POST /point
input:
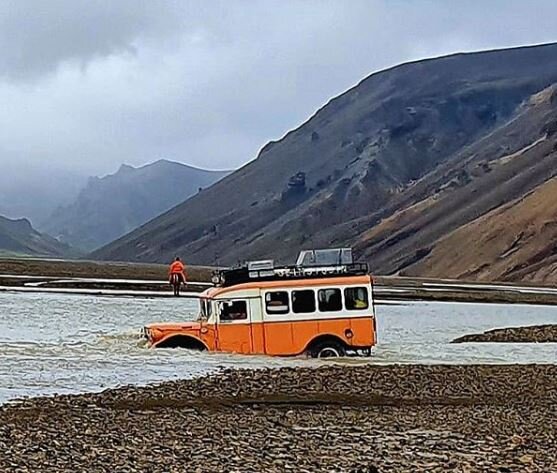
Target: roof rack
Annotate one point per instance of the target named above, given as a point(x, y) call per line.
point(231, 277)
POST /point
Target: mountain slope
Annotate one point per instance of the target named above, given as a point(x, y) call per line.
point(503, 167)
point(111, 206)
point(18, 236)
point(371, 162)
point(513, 242)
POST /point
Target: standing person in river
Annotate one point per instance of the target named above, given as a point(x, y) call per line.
point(177, 275)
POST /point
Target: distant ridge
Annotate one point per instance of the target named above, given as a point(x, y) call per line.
point(19, 237)
point(110, 206)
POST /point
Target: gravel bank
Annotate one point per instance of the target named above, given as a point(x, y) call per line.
point(532, 334)
point(387, 287)
point(335, 418)
point(94, 269)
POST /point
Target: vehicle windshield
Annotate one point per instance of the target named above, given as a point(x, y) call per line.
point(205, 309)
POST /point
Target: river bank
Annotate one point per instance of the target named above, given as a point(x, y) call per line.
point(47, 269)
point(412, 418)
point(83, 277)
point(531, 334)
point(150, 280)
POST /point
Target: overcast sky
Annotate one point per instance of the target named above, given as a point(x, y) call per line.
point(88, 84)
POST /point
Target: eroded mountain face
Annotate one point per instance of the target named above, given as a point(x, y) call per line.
point(392, 167)
point(481, 218)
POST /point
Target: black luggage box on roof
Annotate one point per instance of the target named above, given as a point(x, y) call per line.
point(231, 277)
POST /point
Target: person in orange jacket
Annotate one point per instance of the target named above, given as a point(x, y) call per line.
point(177, 267)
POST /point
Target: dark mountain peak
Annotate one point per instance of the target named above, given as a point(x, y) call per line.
point(125, 169)
point(167, 162)
point(162, 162)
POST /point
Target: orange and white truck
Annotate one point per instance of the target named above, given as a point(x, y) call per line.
point(322, 306)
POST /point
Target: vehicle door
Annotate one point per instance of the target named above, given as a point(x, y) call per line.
point(234, 326)
point(276, 327)
point(208, 320)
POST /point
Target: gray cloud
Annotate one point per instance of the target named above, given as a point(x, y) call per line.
point(86, 85)
point(36, 37)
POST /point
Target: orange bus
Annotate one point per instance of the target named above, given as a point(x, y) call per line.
point(321, 311)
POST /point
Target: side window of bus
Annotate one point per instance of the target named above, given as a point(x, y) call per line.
point(356, 298)
point(277, 303)
point(234, 310)
point(330, 300)
point(303, 302)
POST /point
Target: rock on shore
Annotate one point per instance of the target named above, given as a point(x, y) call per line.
point(331, 419)
point(532, 334)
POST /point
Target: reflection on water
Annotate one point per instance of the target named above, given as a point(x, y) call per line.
point(67, 343)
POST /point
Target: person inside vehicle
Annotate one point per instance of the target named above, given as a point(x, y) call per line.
point(360, 304)
point(177, 268)
point(234, 311)
point(360, 300)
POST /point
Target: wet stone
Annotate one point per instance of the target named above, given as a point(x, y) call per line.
point(329, 419)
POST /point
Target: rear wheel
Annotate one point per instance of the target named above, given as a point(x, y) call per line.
point(327, 349)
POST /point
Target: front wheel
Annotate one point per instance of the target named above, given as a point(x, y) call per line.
point(327, 349)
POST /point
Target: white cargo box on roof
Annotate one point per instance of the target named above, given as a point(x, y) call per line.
point(261, 265)
point(329, 257)
point(261, 269)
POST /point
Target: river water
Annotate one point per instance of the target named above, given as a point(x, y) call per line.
point(56, 343)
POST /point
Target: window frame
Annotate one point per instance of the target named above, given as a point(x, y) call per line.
point(341, 300)
point(245, 319)
point(288, 303)
point(354, 309)
point(314, 311)
point(316, 315)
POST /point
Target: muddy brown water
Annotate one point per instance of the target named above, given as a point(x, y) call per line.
point(57, 343)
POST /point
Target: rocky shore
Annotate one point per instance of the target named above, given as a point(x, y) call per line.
point(330, 419)
point(532, 334)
